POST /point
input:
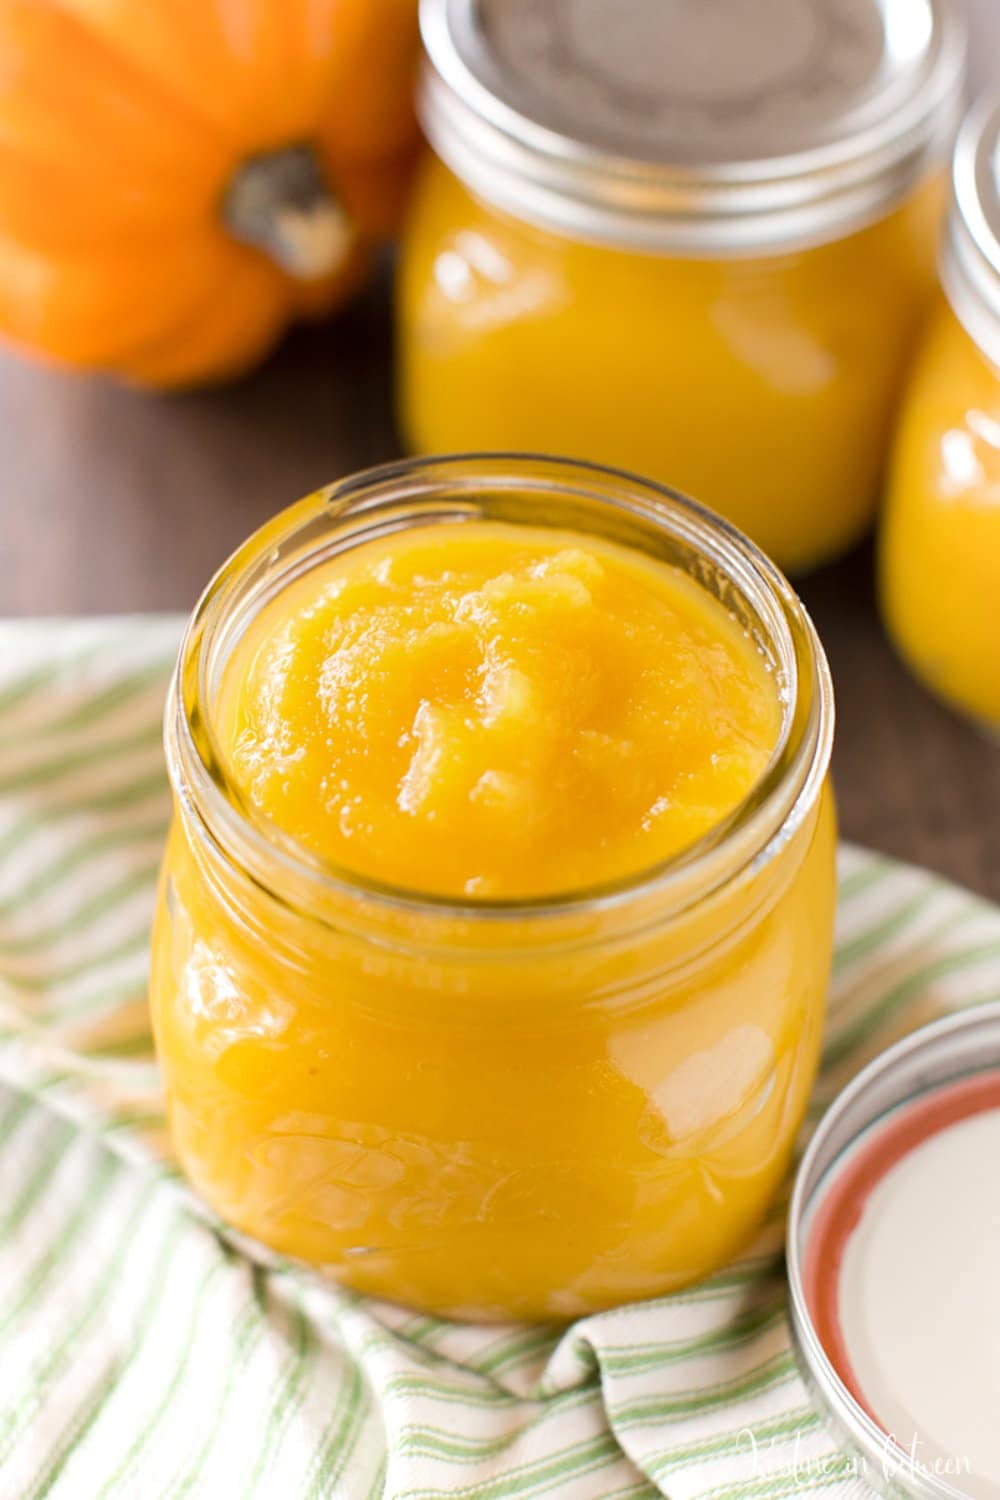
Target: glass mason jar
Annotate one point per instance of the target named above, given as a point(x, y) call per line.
point(940, 545)
point(496, 1109)
point(695, 240)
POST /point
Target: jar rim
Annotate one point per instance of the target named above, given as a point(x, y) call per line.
point(778, 203)
point(453, 487)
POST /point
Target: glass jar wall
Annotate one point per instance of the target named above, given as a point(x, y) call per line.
point(766, 385)
point(940, 544)
point(496, 1109)
point(712, 271)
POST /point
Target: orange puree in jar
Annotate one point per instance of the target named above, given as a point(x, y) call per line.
point(692, 238)
point(940, 543)
point(492, 949)
point(941, 535)
point(766, 387)
point(499, 711)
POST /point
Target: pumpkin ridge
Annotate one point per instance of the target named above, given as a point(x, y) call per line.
point(129, 349)
point(133, 239)
point(146, 81)
point(154, 354)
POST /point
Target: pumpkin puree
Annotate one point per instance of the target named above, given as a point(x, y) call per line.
point(496, 711)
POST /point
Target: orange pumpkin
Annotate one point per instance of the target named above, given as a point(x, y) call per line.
point(180, 178)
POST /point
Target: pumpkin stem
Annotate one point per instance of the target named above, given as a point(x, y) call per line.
point(280, 203)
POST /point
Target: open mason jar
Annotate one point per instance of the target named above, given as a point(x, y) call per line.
point(694, 238)
point(940, 542)
point(496, 1108)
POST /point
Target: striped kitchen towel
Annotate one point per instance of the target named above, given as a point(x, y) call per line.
point(144, 1355)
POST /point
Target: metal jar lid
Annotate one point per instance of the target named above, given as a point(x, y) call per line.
point(960, 1047)
point(970, 265)
point(692, 127)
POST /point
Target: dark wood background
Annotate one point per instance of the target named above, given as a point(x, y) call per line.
point(117, 501)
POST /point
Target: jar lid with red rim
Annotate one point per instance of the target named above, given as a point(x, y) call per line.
point(894, 1263)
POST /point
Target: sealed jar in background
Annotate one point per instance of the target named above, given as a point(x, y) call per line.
point(496, 1108)
point(940, 544)
point(695, 239)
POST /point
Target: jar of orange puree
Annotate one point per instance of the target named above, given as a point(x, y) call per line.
point(940, 553)
point(495, 922)
point(691, 237)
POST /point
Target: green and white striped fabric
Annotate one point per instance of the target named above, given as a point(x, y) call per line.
point(144, 1355)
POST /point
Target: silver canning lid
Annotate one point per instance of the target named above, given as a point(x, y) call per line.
point(711, 127)
point(970, 265)
point(958, 1047)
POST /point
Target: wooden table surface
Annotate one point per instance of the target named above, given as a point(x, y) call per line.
point(116, 501)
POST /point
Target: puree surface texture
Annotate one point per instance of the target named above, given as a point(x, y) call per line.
point(484, 710)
